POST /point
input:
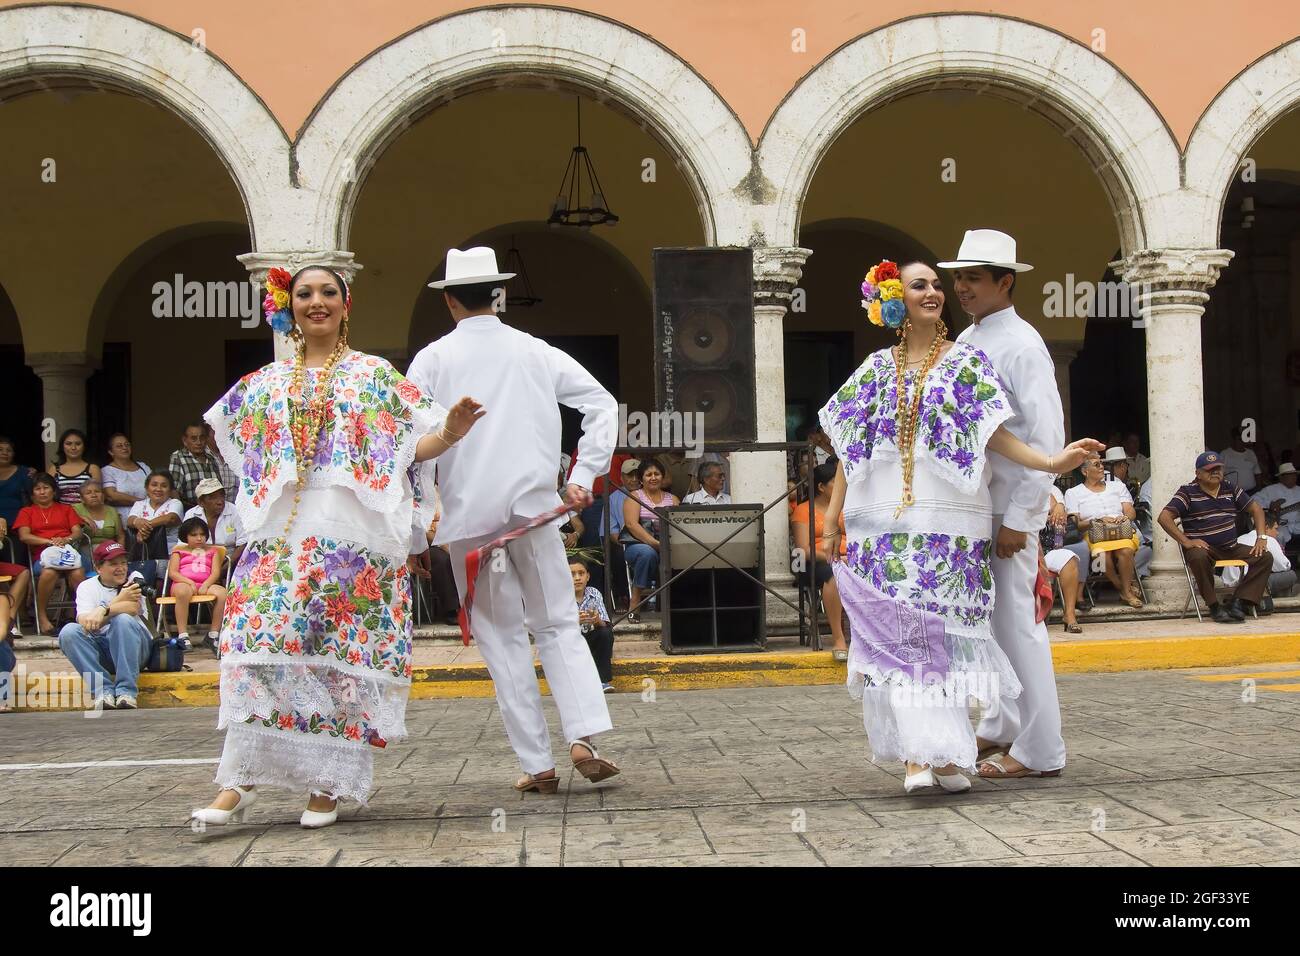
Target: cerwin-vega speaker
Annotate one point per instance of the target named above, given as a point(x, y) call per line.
point(704, 338)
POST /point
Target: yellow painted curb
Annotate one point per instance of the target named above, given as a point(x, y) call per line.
point(714, 671)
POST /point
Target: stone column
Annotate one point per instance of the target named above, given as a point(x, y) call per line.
point(1172, 289)
point(63, 380)
point(1063, 353)
point(259, 264)
point(759, 477)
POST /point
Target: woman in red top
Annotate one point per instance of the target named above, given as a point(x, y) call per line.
point(823, 481)
point(43, 523)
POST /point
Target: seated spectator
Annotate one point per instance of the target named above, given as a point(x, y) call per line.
point(7, 664)
point(617, 559)
point(1282, 579)
point(123, 476)
point(100, 521)
point(194, 569)
point(1139, 465)
point(824, 578)
point(224, 472)
point(1119, 465)
point(1061, 562)
point(1279, 496)
point(1240, 464)
point(13, 599)
point(109, 642)
point(15, 482)
point(43, 524)
point(219, 514)
point(712, 478)
point(1099, 505)
point(193, 462)
point(154, 522)
point(641, 532)
point(593, 619)
point(1209, 508)
point(70, 468)
point(678, 476)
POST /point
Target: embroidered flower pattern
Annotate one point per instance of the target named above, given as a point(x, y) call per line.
point(963, 404)
point(949, 575)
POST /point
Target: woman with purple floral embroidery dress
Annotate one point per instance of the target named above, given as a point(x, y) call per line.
point(316, 639)
point(913, 492)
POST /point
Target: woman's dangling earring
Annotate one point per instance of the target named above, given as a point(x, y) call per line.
point(343, 331)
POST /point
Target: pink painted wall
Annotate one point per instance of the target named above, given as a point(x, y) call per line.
point(1180, 53)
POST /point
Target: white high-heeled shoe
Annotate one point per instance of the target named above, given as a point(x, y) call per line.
point(218, 818)
point(922, 780)
point(315, 819)
point(953, 782)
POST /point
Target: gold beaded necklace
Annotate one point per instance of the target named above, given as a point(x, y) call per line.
point(909, 411)
point(307, 416)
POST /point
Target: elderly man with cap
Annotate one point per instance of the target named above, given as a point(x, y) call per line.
point(1020, 737)
point(496, 482)
point(1208, 509)
point(221, 517)
point(109, 642)
point(1279, 496)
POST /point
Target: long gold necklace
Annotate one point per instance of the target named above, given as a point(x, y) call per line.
point(909, 411)
point(306, 423)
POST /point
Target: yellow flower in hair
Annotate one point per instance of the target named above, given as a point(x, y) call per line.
point(873, 313)
point(871, 275)
point(281, 298)
point(891, 289)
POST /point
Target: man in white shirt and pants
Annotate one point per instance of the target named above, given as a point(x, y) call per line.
point(499, 478)
point(1027, 728)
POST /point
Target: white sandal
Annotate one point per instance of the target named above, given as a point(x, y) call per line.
point(595, 768)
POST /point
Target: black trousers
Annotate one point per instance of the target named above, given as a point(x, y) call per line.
point(443, 581)
point(601, 642)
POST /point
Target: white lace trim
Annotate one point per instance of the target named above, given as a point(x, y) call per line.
point(977, 669)
point(311, 525)
point(358, 671)
point(369, 701)
point(934, 735)
point(257, 757)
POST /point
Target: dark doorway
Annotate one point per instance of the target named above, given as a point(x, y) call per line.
point(816, 365)
point(598, 354)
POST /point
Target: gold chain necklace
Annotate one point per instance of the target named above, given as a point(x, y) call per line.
point(306, 423)
point(909, 412)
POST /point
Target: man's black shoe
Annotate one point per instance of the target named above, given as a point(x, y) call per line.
point(1238, 609)
point(1220, 614)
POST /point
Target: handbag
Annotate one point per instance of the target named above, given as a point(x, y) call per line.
point(63, 558)
point(165, 654)
point(1098, 531)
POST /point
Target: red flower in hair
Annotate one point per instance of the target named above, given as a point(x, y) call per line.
point(278, 277)
point(886, 270)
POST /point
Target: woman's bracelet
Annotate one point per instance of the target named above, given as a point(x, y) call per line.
point(444, 432)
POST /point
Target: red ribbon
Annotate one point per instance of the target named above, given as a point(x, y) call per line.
point(474, 562)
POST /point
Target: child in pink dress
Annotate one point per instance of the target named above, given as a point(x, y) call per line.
point(195, 568)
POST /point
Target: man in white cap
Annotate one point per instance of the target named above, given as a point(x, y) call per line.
point(1021, 737)
point(1283, 493)
point(499, 478)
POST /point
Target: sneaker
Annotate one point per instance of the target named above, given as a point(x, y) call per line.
point(105, 702)
point(126, 702)
point(607, 688)
point(183, 642)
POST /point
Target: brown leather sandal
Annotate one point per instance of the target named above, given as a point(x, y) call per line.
point(530, 784)
point(1000, 772)
point(595, 768)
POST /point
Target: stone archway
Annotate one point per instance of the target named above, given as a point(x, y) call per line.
point(1096, 107)
point(43, 45)
point(374, 102)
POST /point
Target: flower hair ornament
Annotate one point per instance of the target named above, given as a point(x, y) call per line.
point(882, 295)
point(275, 304)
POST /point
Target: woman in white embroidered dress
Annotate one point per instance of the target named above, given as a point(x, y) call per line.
point(316, 638)
point(913, 492)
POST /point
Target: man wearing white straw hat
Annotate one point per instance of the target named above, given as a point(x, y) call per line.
point(1020, 737)
point(1283, 493)
point(494, 485)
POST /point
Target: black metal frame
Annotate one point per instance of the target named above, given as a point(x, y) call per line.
point(807, 448)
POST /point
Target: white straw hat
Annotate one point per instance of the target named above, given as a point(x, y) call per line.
point(470, 266)
point(987, 247)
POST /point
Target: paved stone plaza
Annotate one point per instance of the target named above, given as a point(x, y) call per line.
point(1166, 768)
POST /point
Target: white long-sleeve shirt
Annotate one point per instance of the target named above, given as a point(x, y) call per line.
point(504, 469)
point(1231, 575)
point(1021, 359)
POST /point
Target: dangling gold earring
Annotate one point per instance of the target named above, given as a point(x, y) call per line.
point(343, 331)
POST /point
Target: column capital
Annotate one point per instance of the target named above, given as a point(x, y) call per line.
point(259, 263)
point(777, 270)
point(1193, 270)
point(72, 364)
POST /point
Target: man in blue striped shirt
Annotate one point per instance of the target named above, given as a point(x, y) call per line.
point(1208, 509)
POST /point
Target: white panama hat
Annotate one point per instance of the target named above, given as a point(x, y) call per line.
point(470, 266)
point(1114, 454)
point(1286, 468)
point(987, 247)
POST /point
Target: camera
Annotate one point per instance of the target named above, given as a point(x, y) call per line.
point(136, 578)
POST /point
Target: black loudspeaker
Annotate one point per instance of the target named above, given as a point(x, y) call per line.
point(704, 339)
